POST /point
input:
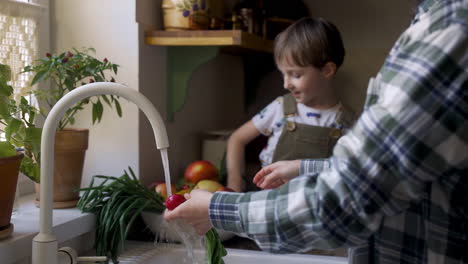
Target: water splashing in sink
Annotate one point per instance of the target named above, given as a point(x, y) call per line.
point(186, 233)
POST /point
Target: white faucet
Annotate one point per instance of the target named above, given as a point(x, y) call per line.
point(45, 246)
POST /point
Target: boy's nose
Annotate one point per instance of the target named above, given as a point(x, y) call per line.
point(287, 84)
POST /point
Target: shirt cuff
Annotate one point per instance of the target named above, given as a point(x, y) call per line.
point(224, 211)
point(311, 166)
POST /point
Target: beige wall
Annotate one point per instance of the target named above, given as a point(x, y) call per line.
point(110, 27)
point(369, 28)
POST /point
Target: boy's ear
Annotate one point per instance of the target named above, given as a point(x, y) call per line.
point(329, 70)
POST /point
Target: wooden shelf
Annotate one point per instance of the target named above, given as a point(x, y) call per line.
point(224, 38)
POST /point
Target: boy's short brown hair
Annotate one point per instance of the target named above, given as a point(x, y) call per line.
point(310, 42)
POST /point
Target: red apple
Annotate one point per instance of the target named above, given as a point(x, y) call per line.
point(209, 185)
point(225, 189)
point(200, 170)
point(173, 201)
point(162, 190)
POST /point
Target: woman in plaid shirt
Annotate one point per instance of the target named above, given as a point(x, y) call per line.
point(399, 177)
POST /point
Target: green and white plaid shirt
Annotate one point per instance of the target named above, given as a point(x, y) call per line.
point(399, 177)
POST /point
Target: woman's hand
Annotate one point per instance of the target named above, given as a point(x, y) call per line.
point(195, 211)
point(277, 174)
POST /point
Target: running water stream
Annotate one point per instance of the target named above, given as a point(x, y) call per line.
point(188, 235)
point(167, 172)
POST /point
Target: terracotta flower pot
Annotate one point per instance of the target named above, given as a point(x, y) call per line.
point(9, 168)
point(70, 150)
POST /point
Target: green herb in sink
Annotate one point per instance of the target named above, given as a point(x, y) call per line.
point(214, 248)
point(117, 202)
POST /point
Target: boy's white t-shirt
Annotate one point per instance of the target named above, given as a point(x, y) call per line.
point(271, 119)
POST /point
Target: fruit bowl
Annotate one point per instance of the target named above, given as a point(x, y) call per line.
point(165, 232)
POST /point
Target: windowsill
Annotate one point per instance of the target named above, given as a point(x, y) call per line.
point(68, 224)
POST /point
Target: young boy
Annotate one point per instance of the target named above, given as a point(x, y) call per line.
point(307, 122)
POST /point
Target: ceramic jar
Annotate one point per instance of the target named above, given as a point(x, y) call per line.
point(185, 14)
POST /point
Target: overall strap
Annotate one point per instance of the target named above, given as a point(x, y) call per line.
point(289, 105)
point(345, 117)
point(289, 109)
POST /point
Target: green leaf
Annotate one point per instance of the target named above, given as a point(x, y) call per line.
point(100, 110)
point(39, 77)
point(32, 116)
point(106, 99)
point(5, 72)
point(12, 128)
point(215, 250)
point(7, 149)
point(4, 107)
point(118, 108)
point(30, 169)
point(94, 113)
point(5, 77)
point(32, 141)
point(115, 68)
point(28, 68)
point(23, 101)
point(5, 89)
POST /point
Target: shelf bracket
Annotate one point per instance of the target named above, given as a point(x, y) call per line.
point(182, 61)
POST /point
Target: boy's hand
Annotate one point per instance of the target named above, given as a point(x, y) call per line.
point(194, 211)
point(277, 174)
point(235, 182)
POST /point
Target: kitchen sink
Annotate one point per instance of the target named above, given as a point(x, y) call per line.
point(150, 253)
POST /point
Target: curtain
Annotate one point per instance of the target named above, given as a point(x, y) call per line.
point(19, 40)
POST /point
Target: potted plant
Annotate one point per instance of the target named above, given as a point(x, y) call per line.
point(65, 72)
point(10, 159)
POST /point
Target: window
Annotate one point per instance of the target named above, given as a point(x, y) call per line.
point(19, 45)
point(23, 27)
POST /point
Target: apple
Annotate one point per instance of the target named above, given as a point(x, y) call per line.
point(185, 189)
point(225, 189)
point(182, 192)
point(162, 190)
point(200, 170)
point(153, 184)
point(174, 200)
point(209, 185)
